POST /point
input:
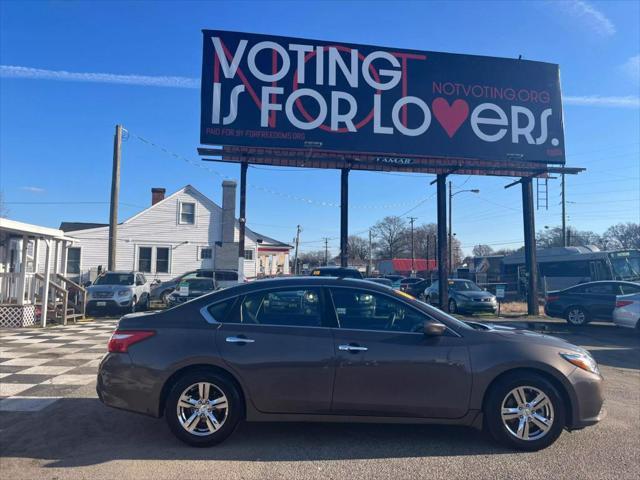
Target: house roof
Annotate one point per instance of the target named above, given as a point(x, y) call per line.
point(21, 228)
point(74, 226)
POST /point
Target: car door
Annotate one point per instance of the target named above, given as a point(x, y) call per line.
point(601, 298)
point(277, 342)
point(385, 364)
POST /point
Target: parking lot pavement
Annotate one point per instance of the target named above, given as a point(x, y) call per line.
point(75, 436)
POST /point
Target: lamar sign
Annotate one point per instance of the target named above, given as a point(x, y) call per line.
point(282, 92)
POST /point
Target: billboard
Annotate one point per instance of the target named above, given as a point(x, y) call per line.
point(281, 92)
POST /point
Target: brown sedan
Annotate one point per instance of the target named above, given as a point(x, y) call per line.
point(328, 349)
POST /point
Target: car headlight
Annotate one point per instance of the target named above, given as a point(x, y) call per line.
point(582, 360)
point(123, 293)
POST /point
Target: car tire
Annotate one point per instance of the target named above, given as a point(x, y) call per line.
point(133, 307)
point(453, 306)
point(525, 431)
point(576, 316)
point(202, 431)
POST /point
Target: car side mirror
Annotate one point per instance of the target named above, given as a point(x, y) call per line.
point(434, 329)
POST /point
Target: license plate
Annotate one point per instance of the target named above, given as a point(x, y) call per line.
point(101, 304)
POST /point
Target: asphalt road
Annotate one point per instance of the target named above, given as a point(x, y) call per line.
point(77, 437)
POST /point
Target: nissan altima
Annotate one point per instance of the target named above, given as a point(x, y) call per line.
point(331, 349)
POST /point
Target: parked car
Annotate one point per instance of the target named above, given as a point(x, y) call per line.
point(223, 279)
point(191, 288)
point(381, 281)
point(345, 350)
point(414, 286)
point(118, 291)
point(395, 280)
point(580, 304)
point(464, 297)
point(341, 272)
point(627, 311)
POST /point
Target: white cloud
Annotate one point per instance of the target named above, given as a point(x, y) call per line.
point(33, 189)
point(602, 101)
point(13, 71)
point(589, 15)
point(631, 68)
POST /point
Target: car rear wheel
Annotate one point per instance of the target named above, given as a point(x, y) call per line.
point(203, 408)
point(525, 412)
point(576, 316)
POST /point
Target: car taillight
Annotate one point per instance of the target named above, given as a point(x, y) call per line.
point(623, 303)
point(553, 298)
point(121, 340)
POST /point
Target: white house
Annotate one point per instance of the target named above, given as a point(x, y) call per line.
point(176, 234)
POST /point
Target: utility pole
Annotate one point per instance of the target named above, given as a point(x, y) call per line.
point(370, 253)
point(326, 251)
point(295, 257)
point(450, 226)
point(564, 216)
point(115, 193)
point(413, 256)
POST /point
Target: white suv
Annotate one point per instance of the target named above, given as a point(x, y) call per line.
point(117, 292)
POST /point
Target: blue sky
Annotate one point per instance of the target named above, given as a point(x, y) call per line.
point(56, 129)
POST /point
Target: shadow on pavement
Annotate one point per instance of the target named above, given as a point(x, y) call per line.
point(81, 431)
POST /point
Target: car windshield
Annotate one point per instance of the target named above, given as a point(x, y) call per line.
point(464, 287)
point(115, 279)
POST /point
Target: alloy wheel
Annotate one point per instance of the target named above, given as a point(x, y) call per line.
point(577, 316)
point(202, 409)
point(527, 413)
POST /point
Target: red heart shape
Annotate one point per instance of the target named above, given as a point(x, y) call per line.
point(451, 117)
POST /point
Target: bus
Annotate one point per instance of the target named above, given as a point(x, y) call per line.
point(560, 267)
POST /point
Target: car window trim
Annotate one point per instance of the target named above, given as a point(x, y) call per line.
point(337, 319)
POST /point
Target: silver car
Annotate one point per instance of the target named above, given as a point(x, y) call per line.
point(627, 311)
point(117, 292)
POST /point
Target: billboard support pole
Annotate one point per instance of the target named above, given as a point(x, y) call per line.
point(531, 264)
point(443, 284)
point(242, 220)
point(344, 216)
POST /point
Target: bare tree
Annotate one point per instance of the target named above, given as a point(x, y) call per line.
point(482, 250)
point(622, 235)
point(358, 248)
point(391, 237)
point(313, 258)
point(552, 237)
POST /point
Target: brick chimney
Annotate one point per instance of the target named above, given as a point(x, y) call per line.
point(228, 211)
point(157, 195)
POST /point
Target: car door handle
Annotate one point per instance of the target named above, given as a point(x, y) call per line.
point(352, 348)
point(239, 340)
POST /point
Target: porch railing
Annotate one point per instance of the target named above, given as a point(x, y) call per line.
point(10, 287)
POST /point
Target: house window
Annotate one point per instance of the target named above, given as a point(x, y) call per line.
point(187, 213)
point(248, 254)
point(73, 260)
point(205, 253)
point(162, 260)
point(144, 259)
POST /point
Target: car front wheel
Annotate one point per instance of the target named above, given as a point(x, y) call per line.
point(203, 408)
point(453, 306)
point(577, 316)
point(525, 412)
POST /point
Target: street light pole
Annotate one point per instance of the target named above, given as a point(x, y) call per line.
point(413, 256)
point(451, 195)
